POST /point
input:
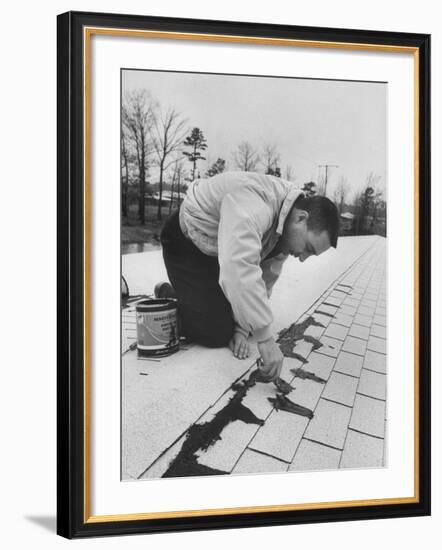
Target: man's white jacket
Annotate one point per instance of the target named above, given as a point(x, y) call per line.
point(239, 217)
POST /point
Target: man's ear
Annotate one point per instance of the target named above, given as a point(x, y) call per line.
point(301, 216)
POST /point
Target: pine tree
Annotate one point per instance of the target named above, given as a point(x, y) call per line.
point(275, 171)
point(309, 188)
point(217, 167)
point(197, 143)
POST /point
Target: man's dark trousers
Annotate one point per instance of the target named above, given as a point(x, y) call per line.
point(204, 312)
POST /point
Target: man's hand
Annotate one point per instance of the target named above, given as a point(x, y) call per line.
point(239, 345)
point(272, 359)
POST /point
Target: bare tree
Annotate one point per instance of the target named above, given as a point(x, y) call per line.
point(271, 160)
point(177, 174)
point(246, 157)
point(138, 114)
point(377, 199)
point(180, 181)
point(124, 174)
point(341, 192)
point(372, 180)
point(289, 173)
point(320, 186)
point(366, 205)
point(168, 131)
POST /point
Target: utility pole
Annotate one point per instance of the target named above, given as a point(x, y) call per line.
point(327, 166)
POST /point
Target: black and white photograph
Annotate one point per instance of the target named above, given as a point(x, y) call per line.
point(253, 274)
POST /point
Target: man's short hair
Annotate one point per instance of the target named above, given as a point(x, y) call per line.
point(322, 215)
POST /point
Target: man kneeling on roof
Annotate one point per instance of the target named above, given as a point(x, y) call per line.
point(224, 250)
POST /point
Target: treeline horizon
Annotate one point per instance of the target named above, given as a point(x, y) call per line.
point(161, 140)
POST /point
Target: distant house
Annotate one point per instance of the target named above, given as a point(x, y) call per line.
point(346, 223)
point(167, 197)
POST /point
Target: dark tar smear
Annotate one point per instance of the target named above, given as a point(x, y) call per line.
point(283, 403)
point(288, 338)
point(200, 437)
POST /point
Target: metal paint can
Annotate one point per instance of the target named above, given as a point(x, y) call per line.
point(157, 327)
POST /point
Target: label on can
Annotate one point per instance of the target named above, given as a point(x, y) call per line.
point(157, 329)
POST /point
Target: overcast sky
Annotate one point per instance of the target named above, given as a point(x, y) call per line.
point(311, 122)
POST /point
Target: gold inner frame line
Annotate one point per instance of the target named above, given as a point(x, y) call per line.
point(87, 33)
point(206, 37)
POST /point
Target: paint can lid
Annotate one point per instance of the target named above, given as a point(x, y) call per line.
point(156, 304)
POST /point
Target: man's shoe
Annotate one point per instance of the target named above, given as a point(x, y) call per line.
point(164, 290)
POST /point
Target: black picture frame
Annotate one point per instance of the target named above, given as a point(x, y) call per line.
point(74, 519)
